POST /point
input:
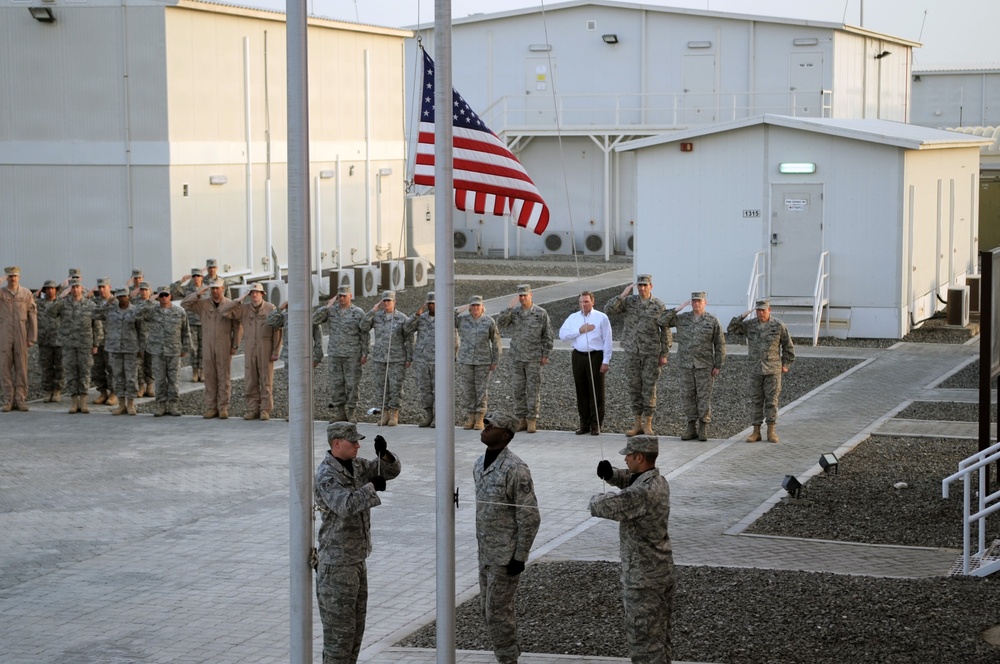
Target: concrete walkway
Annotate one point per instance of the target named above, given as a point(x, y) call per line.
point(141, 539)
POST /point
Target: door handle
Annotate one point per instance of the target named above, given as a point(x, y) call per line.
point(774, 240)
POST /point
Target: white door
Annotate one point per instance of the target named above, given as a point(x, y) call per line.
point(699, 103)
point(540, 108)
point(805, 84)
point(796, 238)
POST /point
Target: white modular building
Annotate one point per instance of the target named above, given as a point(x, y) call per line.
point(956, 96)
point(859, 225)
point(152, 133)
point(565, 85)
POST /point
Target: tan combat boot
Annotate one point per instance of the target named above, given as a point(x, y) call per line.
point(383, 419)
point(636, 428)
point(393, 417)
point(522, 424)
point(691, 433)
point(250, 415)
point(754, 437)
point(102, 398)
point(56, 396)
point(223, 413)
point(150, 389)
point(194, 375)
point(75, 408)
point(479, 425)
point(531, 426)
point(112, 400)
point(121, 409)
point(772, 437)
point(210, 413)
point(470, 421)
point(702, 430)
point(130, 406)
point(83, 405)
point(428, 418)
point(160, 410)
point(647, 425)
point(264, 415)
point(141, 392)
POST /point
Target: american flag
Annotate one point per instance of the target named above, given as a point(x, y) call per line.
point(488, 177)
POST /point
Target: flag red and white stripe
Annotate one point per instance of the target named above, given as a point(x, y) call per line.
point(488, 177)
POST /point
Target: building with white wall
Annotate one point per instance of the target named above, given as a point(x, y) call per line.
point(956, 96)
point(152, 133)
point(876, 217)
point(565, 85)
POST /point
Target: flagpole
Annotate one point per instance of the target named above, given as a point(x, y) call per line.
point(444, 334)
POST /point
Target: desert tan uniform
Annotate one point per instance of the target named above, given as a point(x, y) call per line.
point(261, 343)
point(220, 336)
point(18, 328)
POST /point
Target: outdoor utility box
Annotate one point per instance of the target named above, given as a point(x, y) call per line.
point(958, 306)
point(973, 282)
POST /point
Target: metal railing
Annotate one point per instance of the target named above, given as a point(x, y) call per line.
point(821, 295)
point(650, 110)
point(977, 463)
point(757, 275)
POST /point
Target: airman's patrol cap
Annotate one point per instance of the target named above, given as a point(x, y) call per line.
point(698, 295)
point(475, 299)
point(500, 420)
point(524, 289)
point(642, 444)
point(388, 296)
point(646, 279)
point(762, 304)
point(344, 431)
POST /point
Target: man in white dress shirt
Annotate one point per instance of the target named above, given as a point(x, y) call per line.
point(590, 332)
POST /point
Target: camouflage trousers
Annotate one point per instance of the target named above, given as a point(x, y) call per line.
point(526, 386)
point(50, 362)
point(100, 371)
point(144, 368)
point(764, 392)
point(165, 370)
point(425, 383)
point(77, 363)
point(473, 385)
point(388, 378)
point(496, 602)
point(342, 596)
point(196, 353)
point(696, 394)
point(123, 367)
point(641, 373)
point(649, 609)
point(344, 374)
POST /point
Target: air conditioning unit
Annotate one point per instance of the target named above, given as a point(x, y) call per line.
point(416, 272)
point(466, 241)
point(338, 278)
point(393, 273)
point(593, 244)
point(275, 291)
point(366, 279)
point(629, 239)
point(557, 242)
point(237, 291)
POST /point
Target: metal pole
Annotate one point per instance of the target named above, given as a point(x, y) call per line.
point(444, 334)
point(300, 436)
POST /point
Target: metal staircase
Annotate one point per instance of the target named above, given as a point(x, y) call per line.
point(803, 315)
point(985, 560)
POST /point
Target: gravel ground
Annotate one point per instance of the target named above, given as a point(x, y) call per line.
point(967, 378)
point(945, 411)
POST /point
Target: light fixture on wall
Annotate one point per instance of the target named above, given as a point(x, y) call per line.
point(796, 168)
point(699, 44)
point(805, 41)
point(540, 48)
point(879, 56)
point(610, 38)
point(42, 14)
point(217, 179)
point(385, 171)
point(326, 175)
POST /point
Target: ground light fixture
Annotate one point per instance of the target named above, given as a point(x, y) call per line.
point(792, 486)
point(42, 14)
point(828, 461)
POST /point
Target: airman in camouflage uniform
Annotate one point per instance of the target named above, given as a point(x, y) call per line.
point(18, 332)
point(80, 334)
point(49, 348)
point(646, 344)
point(144, 367)
point(345, 491)
point(180, 289)
point(642, 510)
point(700, 354)
point(530, 344)
point(168, 338)
point(507, 521)
point(770, 353)
point(278, 319)
point(478, 356)
point(346, 350)
point(100, 374)
point(422, 324)
point(121, 340)
point(392, 354)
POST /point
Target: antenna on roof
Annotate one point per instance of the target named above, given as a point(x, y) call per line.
point(922, 24)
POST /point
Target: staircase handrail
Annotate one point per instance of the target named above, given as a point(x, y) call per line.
point(821, 295)
point(757, 274)
point(977, 463)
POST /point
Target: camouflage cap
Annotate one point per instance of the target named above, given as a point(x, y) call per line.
point(144, 285)
point(136, 272)
point(103, 281)
point(50, 284)
point(216, 283)
point(12, 271)
point(430, 297)
point(256, 288)
point(74, 272)
point(644, 279)
point(163, 290)
point(698, 295)
point(76, 281)
point(344, 290)
point(762, 304)
point(524, 289)
point(211, 262)
point(499, 420)
point(121, 292)
point(642, 445)
point(196, 272)
point(475, 299)
point(388, 296)
point(343, 431)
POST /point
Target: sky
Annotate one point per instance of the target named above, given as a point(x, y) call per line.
point(954, 32)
